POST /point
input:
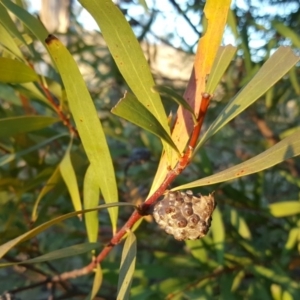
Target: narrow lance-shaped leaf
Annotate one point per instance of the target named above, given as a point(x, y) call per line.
point(216, 12)
point(91, 200)
point(240, 224)
point(129, 57)
point(69, 176)
point(127, 267)
point(237, 280)
point(223, 58)
point(287, 148)
point(274, 276)
point(30, 90)
point(232, 24)
point(218, 233)
point(96, 283)
point(57, 254)
point(32, 23)
point(21, 124)
point(127, 53)
point(14, 71)
point(274, 69)
point(293, 238)
point(287, 32)
point(132, 110)
point(87, 123)
point(50, 184)
point(9, 42)
point(198, 250)
point(35, 231)
point(285, 209)
point(295, 80)
point(171, 93)
point(9, 25)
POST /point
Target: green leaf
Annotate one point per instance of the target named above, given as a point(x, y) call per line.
point(171, 94)
point(30, 90)
point(87, 122)
point(9, 25)
point(132, 110)
point(69, 176)
point(14, 71)
point(9, 43)
point(57, 254)
point(9, 95)
point(293, 238)
point(218, 234)
point(286, 32)
point(127, 54)
point(285, 149)
point(32, 23)
point(239, 224)
point(50, 184)
point(9, 157)
point(127, 267)
point(97, 281)
point(15, 125)
point(242, 37)
point(199, 250)
point(90, 200)
point(295, 80)
point(278, 293)
point(240, 260)
point(250, 248)
point(285, 209)
point(274, 69)
point(223, 58)
point(35, 231)
point(237, 281)
point(129, 58)
point(274, 276)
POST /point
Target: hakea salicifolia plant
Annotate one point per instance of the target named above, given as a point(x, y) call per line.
point(183, 215)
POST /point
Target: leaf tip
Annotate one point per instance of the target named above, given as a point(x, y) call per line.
point(50, 38)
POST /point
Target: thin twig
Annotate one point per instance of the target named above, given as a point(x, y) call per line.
point(62, 116)
point(171, 175)
point(65, 119)
point(143, 210)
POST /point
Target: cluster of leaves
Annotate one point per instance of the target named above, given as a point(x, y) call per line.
point(48, 158)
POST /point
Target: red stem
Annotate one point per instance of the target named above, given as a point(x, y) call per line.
point(172, 174)
point(62, 116)
point(202, 112)
point(138, 214)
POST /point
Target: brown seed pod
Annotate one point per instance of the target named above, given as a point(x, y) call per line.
point(184, 215)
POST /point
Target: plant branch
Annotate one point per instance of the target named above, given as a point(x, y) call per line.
point(62, 116)
point(197, 128)
point(171, 175)
point(145, 207)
